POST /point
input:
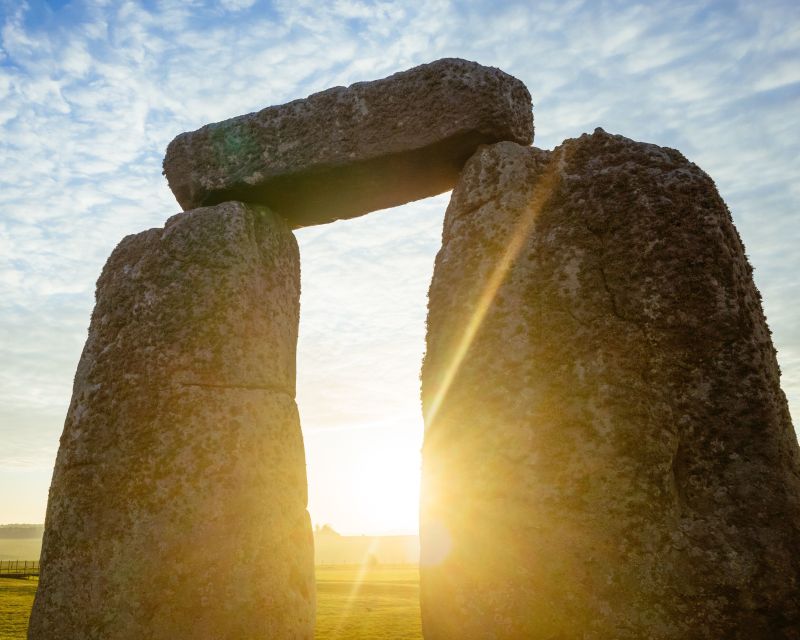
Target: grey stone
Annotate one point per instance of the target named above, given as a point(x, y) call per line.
point(345, 152)
point(608, 452)
point(178, 502)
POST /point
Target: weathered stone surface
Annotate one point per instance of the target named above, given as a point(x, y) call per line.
point(610, 455)
point(346, 151)
point(178, 502)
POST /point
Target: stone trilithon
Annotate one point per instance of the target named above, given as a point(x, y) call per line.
point(608, 453)
point(178, 503)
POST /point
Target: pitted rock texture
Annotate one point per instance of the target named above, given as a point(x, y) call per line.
point(178, 503)
point(347, 151)
point(608, 452)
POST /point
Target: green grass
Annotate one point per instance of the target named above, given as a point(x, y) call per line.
point(382, 605)
point(16, 600)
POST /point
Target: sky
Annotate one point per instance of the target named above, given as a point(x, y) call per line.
point(91, 93)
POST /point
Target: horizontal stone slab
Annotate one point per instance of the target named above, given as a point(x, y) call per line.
point(347, 151)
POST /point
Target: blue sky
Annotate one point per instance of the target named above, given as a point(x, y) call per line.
point(92, 92)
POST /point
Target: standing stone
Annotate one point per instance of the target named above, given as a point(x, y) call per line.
point(178, 503)
point(350, 150)
point(608, 452)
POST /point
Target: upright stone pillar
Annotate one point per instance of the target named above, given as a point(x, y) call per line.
point(608, 453)
point(178, 503)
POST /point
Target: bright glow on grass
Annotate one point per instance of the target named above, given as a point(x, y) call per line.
point(351, 598)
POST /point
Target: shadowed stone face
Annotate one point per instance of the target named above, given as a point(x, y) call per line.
point(178, 502)
point(608, 453)
point(347, 151)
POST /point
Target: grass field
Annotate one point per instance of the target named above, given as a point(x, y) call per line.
point(384, 605)
point(376, 603)
point(16, 599)
point(24, 549)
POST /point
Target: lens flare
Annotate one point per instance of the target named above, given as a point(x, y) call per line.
point(351, 598)
point(437, 544)
point(518, 237)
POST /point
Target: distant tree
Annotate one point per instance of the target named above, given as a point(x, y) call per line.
point(327, 530)
point(21, 531)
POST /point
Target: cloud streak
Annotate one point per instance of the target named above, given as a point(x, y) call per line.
point(92, 92)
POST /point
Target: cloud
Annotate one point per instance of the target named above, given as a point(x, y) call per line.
point(236, 5)
point(364, 294)
point(92, 92)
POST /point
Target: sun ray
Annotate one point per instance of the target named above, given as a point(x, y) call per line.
point(517, 240)
point(362, 572)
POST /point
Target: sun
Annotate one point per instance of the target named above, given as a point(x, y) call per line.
point(366, 480)
point(387, 490)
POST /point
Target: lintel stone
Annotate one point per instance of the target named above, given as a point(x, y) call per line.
point(346, 151)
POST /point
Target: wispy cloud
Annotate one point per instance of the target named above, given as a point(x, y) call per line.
point(92, 92)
